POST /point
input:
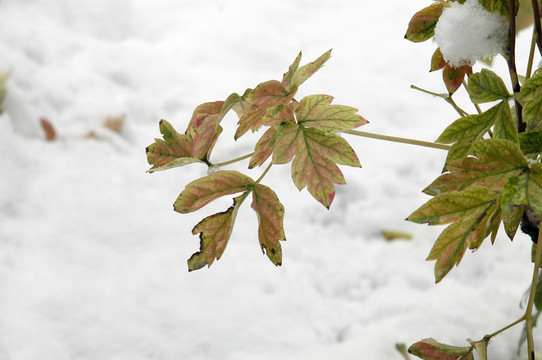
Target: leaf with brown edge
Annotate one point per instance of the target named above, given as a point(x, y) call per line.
point(173, 147)
point(270, 219)
point(422, 25)
point(472, 213)
point(317, 111)
point(202, 191)
point(437, 61)
point(493, 163)
point(266, 95)
point(430, 349)
point(306, 71)
point(215, 232)
point(453, 77)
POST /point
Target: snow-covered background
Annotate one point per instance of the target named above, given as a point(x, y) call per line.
point(92, 255)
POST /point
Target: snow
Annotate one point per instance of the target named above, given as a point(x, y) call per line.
point(93, 257)
point(468, 32)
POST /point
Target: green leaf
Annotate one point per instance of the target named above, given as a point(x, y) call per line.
point(505, 125)
point(472, 127)
point(511, 220)
point(524, 190)
point(531, 142)
point(430, 349)
point(215, 232)
point(202, 191)
point(306, 71)
point(472, 213)
point(486, 86)
point(494, 162)
point(177, 162)
point(237, 103)
point(316, 111)
point(422, 25)
point(317, 154)
point(459, 150)
point(266, 95)
point(500, 6)
point(530, 97)
point(270, 218)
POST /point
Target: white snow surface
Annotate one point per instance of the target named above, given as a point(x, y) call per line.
point(92, 255)
point(468, 32)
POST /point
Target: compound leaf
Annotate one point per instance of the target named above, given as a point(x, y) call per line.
point(266, 95)
point(494, 162)
point(486, 86)
point(202, 191)
point(270, 218)
point(316, 111)
point(422, 25)
point(215, 232)
point(430, 349)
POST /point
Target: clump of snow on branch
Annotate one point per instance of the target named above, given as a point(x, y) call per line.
point(468, 32)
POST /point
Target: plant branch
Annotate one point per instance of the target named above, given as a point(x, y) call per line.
point(537, 25)
point(264, 173)
point(398, 139)
point(511, 60)
point(529, 70)
point(529, 309)
point(446, 97)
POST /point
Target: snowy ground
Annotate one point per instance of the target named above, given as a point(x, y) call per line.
point(92, 256)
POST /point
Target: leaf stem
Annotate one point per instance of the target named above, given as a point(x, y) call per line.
point(397, 139)
point(529, 70)
point(241, 158)
point(446, 97)
point(478, 109)
point(529, 309)
point(264, 173)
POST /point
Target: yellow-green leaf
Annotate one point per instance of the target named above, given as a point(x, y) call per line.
point(202, 191)
point(270, 219)
point(173, 147)
point(530, 97)
point(215, 232)
point(486, 86)
point(422, 25)
point(493, 163)
point(306, 71)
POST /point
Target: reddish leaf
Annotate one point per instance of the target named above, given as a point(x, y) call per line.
point(174, 146)
point(430, 349)
point(215, 232)
point(453, 77)
point(316, 111)
point(266, 95)
point(263, 149)
point(201, 113)
point(306, 71)
point(422, 25)
point(48, 129)
point(437, 60)
point(317, 154)
point(202, 191)
point(270, 218)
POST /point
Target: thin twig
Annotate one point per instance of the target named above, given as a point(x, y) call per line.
point(511, 60)
point(537, 25)
point(534, 282)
